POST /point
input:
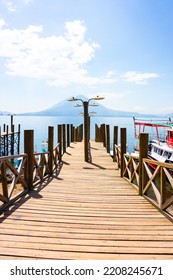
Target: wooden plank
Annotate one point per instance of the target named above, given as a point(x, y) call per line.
point(87, 212)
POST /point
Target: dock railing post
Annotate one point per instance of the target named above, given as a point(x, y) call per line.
point(123, 148)
point(97, 133)
point(50, 148)
point(86, 131)
point(18, 143)
point(115, 140)
point(29, 150)
point(60, 141)
point(143, 153)
point(64, 137)
point(68, 135)
point(71, 133)
point(103, 135)
point(108, 138)
point(80, 133)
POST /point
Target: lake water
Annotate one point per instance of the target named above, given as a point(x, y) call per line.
point(40, 127)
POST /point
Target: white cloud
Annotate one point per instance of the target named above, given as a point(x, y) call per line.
point(138, 78)
point(60, 60)
point(11, 7)
point(27, 1)
point(110, 74)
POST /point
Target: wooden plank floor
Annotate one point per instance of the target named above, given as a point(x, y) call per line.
point(87, 212)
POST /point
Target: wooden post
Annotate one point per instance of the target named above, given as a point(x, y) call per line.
point(18, 144)
point(4, 181)
point(0, 143)
point(68, 135)
point(89, 124)
point(162, 188)
point(64, 137)
point(115, 140)
point(50, 147)
point(60, 140)
point(96, 133)
point(72, 134)
point(143, 153)
point(29, 150)
point(108, 138)
point(75, 134)
point(12, 123)
point(12, 140)
point(102, 134)
point(81, 132)
point(123, 148)
point(86, 144)
point(6, 143)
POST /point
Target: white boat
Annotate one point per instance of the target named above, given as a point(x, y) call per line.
point(160, 149)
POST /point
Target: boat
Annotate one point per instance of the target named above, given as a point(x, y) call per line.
point(160, 146)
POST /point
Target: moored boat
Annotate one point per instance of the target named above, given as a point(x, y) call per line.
point(161, 145)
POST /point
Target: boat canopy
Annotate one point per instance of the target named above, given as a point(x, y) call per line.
point(155, 123)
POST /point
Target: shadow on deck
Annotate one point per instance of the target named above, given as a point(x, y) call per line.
point(87, 211)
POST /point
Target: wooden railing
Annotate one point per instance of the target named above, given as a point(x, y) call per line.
point(40, 166)
point(131, 170)
point(56, 156)
point(117, 155)
point(150, 178)
point(21, 173)
point(12, 179)
point(157, 184)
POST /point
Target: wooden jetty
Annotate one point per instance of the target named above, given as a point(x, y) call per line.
point(9, 140)
point(85, 211)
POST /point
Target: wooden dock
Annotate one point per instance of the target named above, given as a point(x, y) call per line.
point(87, 211)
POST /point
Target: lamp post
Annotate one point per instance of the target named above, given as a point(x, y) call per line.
point(86, 123)
point(90, 114)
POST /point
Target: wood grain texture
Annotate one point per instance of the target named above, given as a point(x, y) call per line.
point(86, 212)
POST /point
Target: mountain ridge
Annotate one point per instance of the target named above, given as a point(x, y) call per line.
point(65, 108)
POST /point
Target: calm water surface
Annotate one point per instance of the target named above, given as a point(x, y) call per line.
point(40, 127)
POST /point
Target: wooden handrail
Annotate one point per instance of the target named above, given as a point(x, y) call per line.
point(12, 156)
point(13, 183)
point(163, 164)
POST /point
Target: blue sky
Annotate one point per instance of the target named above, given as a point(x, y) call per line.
point(120, 49)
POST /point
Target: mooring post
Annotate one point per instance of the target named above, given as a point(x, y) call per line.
point(143, 153)
point(29, 150)
point(50, 148)
point(123, 148)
